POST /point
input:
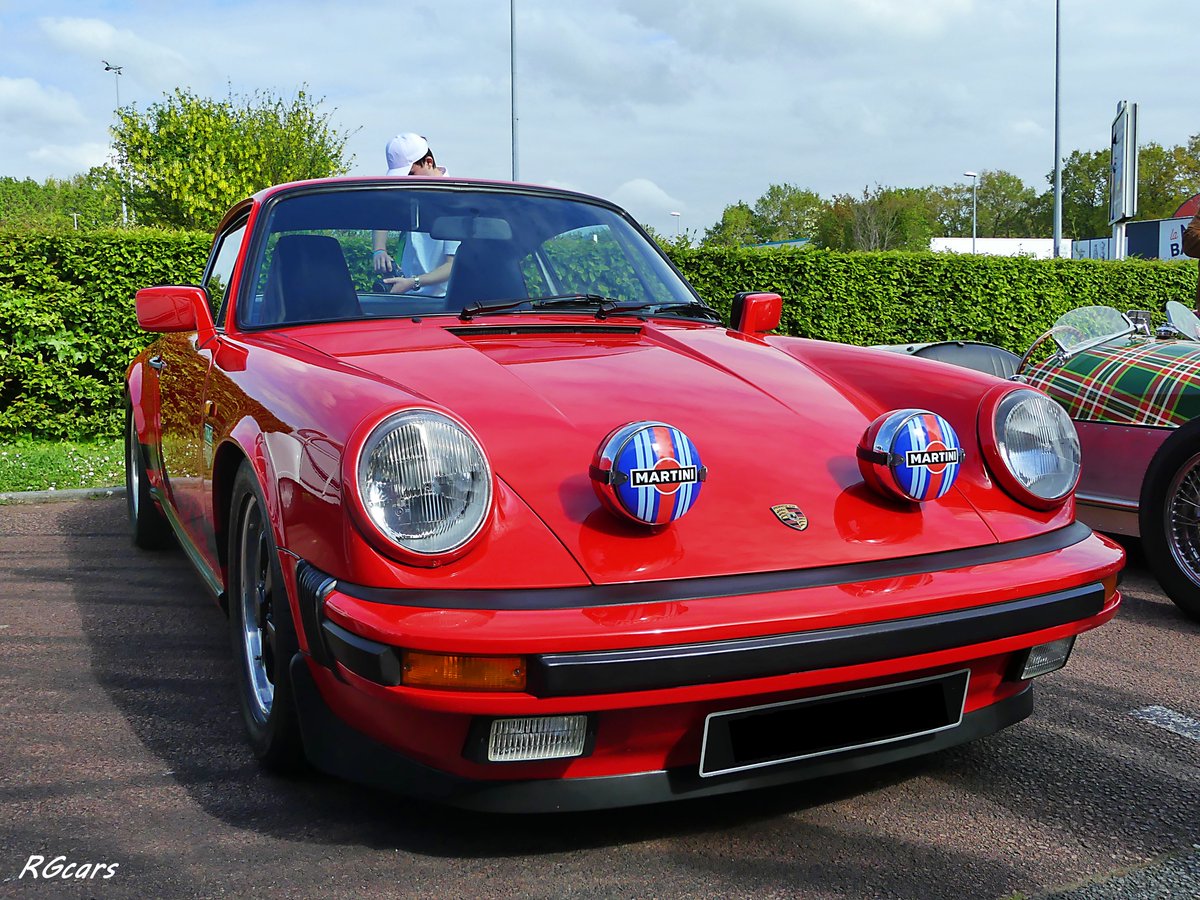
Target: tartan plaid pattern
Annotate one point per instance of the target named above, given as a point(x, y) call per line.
point(1142, 383)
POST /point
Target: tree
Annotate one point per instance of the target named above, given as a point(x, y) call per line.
point(1187, 160)
point(1085, 194)
point(783, 213)
point(882, 219)
point(188, 158)
point(737, 227)
point(85, 202)
point(786, 212)
point(951, 208)
point(1163, 181)
point(1004, 205)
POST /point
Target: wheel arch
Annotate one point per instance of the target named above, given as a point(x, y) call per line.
point(1178, 575)
point(143, 401)
point(245, 443)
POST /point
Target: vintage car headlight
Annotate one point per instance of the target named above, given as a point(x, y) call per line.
point(1031, 446)
point(424, 482)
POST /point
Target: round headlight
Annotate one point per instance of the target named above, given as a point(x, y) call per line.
point(424, 482)
point(1037, 447)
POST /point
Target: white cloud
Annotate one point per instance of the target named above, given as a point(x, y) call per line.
point(29, 107)
point(95, 38)
point(72, 157)
point(646, 201)
point(682, 105)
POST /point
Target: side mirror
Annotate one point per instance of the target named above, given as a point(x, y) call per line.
point(175, 308)
point(755, 313)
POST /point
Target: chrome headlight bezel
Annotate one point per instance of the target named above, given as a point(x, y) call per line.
point(444, 448)
point(1030, 445)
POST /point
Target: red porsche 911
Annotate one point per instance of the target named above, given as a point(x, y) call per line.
point(503, 515)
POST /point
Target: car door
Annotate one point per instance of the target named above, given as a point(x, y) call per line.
point(184, 367)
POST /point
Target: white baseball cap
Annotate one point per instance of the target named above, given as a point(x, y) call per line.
point(403, 150)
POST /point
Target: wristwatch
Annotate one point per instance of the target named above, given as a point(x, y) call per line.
point(416, 282)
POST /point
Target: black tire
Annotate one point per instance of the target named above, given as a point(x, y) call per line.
point(1169, 517)
point(147, 525)
point(261, 630)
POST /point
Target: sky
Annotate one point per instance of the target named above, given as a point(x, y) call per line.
point(665, 106)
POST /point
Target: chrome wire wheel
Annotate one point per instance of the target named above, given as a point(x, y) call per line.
point(1181, 513)
point(256, 593)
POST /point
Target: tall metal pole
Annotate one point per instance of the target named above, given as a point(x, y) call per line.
point(512, 61)
point(974, 176)
point(1057, 136)
point(116, 70)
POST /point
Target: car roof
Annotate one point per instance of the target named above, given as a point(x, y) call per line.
point(408, 181)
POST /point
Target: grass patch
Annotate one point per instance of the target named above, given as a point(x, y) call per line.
point(32, 465)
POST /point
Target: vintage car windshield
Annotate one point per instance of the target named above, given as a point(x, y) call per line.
point(1090, 326)
point(512, 253)
point(1185, 322)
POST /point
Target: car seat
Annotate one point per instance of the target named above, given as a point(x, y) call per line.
point(308, 281)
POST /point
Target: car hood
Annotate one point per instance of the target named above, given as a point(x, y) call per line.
point(1123, 382)
point(770, 430)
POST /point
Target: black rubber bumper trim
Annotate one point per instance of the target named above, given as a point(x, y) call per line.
point(369, 659)
point(556, 675)
point(314, 586)
point(678, 665)
point(651, 668)
point(723, 585)
point(334, 747)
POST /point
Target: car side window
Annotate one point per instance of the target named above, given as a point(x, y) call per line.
point(220, 269)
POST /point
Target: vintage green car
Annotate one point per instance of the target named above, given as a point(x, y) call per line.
point(1133, 393)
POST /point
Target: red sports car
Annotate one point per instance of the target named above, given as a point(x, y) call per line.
point(503, 515)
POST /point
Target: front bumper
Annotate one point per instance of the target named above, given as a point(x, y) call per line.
point(336, 748)
point(648, 675)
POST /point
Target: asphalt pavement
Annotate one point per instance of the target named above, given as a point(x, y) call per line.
point(122, 758)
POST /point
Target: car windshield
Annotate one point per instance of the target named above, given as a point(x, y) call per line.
point(1183, 320)
point(336, 254)
point(1090, 326)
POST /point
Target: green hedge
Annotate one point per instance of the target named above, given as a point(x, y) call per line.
point(67, 323)
point(68, 330)
point(892, 298)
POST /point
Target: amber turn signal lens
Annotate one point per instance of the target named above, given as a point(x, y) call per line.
point(463, 673)
point(1110, 585)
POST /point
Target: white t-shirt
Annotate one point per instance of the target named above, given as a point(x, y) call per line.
point(424, 254)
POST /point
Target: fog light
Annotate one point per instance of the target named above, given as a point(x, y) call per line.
point(1044, 658)
point(537, 737)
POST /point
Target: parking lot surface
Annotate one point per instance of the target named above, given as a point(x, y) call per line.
point(123, 752)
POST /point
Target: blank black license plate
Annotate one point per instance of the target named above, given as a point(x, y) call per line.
point(777, 733)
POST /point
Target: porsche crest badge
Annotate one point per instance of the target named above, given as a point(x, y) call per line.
point(790, 515)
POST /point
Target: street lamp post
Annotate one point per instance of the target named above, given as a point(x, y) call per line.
point(512, 76)
point(1057, 151)
point(675, 215)
point(116, 70)
point(974, 176)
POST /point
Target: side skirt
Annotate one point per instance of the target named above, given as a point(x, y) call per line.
point(212, 580)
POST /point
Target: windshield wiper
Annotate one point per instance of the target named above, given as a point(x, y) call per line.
point(616, 308)
point(605, 306)
point(476, 309)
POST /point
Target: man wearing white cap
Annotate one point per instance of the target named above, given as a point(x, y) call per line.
point(425, 263)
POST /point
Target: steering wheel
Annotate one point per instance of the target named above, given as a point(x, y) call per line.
point(1077, 336)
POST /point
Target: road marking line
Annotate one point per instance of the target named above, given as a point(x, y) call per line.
point(1170, 720)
